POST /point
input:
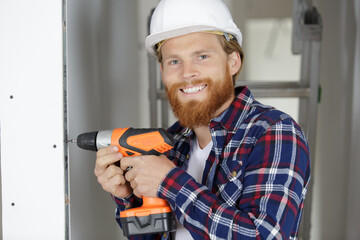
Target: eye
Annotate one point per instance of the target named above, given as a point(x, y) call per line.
point(173, 62)
point(201, 57)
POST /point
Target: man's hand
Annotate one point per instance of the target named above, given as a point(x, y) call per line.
point(110, 176)
point(146, 173)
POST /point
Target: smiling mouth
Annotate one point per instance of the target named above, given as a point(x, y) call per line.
point(191, 90)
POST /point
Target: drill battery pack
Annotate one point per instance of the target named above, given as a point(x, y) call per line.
point(155, 223)
point(154, 216)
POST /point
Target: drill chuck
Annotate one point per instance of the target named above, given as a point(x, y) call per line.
point(94, 140)
point(87, 141)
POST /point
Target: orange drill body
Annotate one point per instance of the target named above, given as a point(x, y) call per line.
point(136, 142)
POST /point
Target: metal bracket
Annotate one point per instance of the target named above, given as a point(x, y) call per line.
point(307, 24)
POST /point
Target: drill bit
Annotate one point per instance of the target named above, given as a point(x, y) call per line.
point(72, 140)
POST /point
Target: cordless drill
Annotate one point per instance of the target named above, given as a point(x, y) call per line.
point(155, 214)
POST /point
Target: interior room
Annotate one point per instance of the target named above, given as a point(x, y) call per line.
point(69, 67)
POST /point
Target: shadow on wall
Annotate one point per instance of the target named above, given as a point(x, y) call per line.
point(102, 94)
point(334, 126)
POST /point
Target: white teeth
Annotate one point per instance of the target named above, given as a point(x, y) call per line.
point(193, 89)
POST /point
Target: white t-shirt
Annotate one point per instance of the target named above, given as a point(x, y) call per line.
point(196, 167)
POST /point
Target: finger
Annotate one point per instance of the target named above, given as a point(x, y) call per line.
point(133, 184)
point(127, 162)
point(137, 193)
point(114, 183)
point(130, 175)
point(105, 168)
point(113, 170)
point(110, 172)
point(110, 175)
point(105, 151)
point(108, 183)
point(103, 162)
point(117, 180)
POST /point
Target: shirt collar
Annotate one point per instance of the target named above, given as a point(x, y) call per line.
point(238, 110)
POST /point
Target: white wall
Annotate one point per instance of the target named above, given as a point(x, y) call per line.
point(31, 120)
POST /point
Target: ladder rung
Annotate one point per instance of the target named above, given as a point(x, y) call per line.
point(280, 92)
point(277, 89)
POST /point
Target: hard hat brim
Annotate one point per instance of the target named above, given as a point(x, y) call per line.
point(154, 39)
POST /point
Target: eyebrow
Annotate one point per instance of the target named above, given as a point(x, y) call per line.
point(202, 52)
point(198, 52)
point(170, 57)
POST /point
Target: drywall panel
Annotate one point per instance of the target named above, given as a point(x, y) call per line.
point(31, 120)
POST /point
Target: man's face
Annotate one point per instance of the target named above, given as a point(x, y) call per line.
point(197, 74)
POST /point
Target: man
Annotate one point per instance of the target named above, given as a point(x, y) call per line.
point(239, 169)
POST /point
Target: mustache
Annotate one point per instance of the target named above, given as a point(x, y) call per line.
point(176, 86)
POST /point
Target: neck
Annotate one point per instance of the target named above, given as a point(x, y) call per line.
point(225, 105)
point(203, 135)
point(203, 132)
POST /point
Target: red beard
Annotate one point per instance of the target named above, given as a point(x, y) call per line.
point(199, 113)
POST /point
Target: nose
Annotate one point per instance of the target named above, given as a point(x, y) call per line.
point(189, 70)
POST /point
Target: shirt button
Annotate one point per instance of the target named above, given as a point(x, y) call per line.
point(240, 163)
point(233, 173)
point(187, 156)
point(127, 206)
point(165, 235)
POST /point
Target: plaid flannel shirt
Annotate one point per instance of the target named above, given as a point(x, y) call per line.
point(254, 182)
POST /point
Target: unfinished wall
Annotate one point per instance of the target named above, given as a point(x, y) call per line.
point(334, 133)
point(108, 88)
point(103, 93)
point(331, 169)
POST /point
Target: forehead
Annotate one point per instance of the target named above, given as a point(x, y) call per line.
point(192, 42)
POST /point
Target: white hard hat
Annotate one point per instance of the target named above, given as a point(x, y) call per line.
point(174, 18)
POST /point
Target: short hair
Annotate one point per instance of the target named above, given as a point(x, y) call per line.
point(229, 46)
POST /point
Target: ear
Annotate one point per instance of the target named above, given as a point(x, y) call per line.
point(234, 62)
